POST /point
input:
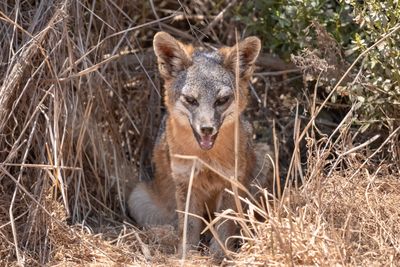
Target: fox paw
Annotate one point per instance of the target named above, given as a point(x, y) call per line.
point(216, 251)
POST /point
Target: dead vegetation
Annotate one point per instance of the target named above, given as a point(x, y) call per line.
point(80, 104)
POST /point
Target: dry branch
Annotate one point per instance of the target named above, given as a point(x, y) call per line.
point(22, 61)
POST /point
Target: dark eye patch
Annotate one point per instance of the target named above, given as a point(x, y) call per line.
point(191, 100)
point(222, 101)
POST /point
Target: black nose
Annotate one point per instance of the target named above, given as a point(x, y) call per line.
point(206, 130)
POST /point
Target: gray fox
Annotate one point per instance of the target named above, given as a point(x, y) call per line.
point(199, 97)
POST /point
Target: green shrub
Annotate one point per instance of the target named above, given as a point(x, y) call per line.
point(284, 27)
point(379, 86)
point(283, 24)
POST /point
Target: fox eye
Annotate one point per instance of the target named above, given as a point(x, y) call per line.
point(191, 100)
point(222, 101)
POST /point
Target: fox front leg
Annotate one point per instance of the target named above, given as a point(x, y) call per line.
point(225, 229)
point(194, 225)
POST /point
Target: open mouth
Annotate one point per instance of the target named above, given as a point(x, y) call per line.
point(206, 142)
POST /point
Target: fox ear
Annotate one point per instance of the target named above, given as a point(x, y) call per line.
point(172, 55)
point(248, 51)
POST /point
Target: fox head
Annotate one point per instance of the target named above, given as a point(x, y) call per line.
point(200, 85)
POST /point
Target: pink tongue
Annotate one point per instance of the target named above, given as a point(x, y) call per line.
point(206, 142)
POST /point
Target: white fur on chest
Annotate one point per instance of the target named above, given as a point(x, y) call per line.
point(183, 169)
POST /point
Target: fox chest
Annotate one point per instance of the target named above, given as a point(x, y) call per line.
point(204, 177)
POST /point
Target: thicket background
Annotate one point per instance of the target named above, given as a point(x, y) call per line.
point(81, 101)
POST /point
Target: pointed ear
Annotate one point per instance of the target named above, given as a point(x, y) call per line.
point(172, 55)
point(248, 51)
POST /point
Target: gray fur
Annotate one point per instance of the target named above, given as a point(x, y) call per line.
point(205, 75)
point(206, 80)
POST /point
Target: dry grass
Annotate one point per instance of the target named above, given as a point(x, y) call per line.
point(80, 104)
point(345, 223)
